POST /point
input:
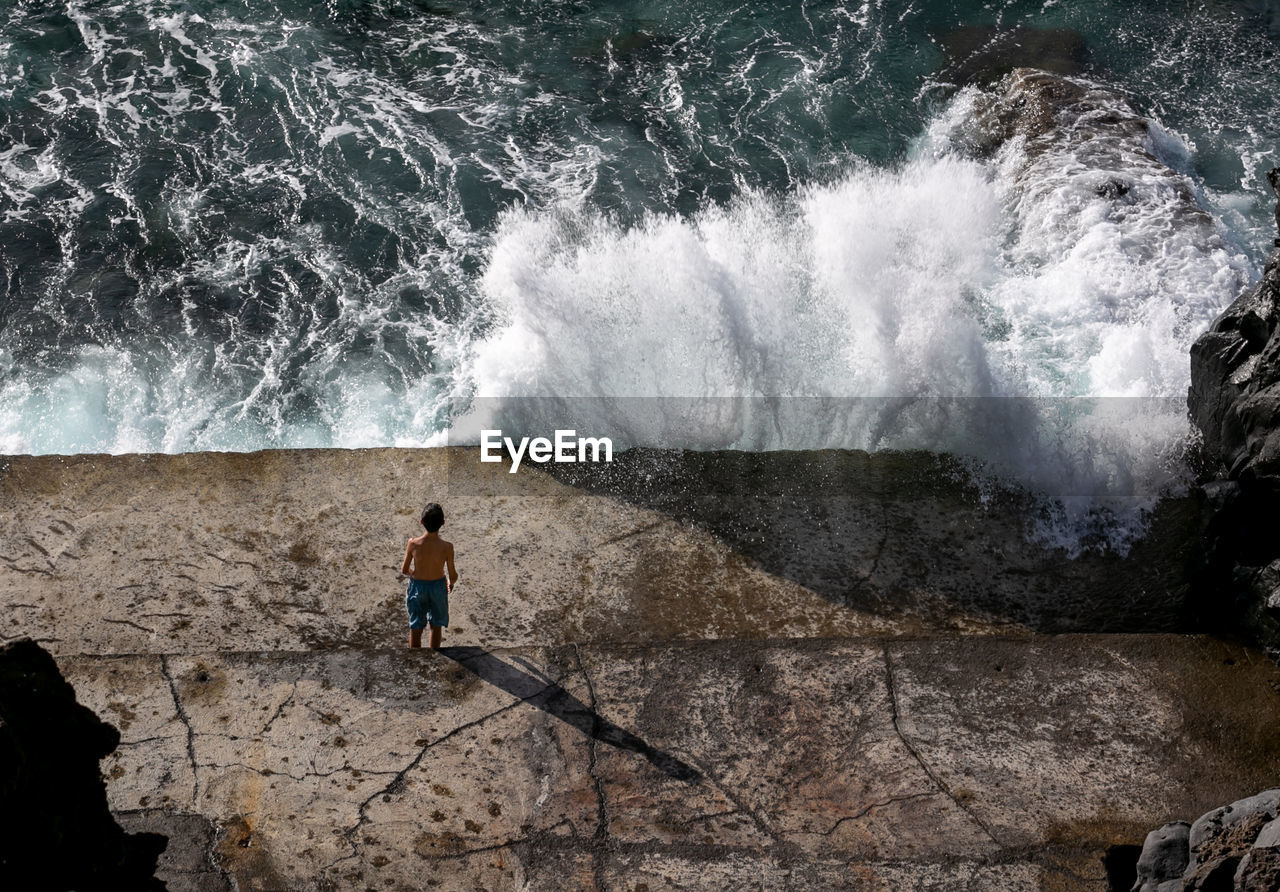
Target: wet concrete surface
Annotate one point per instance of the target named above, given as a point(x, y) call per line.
point(301, 550)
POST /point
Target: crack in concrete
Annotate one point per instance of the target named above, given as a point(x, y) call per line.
point(397, 782)
point(129, 622)
point(742, 807)
point(547, 841)
point(698, 819)
point(873, 806)
point(314, 772)
point(880, 547)
point(36, 545)
point(711, 853)
point(22, 635)
point(284, 703)
point(600, 839)
point(186, 720)
point(884, 542)
point(142, 740)
point(893, 704)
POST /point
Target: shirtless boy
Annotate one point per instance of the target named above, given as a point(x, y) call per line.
point(425, 559)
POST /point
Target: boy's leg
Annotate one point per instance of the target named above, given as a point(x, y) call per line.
point(415, 638)
point(435, 637)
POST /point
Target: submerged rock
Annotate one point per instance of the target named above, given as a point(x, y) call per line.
point(1062, 136)
point(980, 54)
point(60, 833)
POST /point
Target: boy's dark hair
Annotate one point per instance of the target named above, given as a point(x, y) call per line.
point(433, 517)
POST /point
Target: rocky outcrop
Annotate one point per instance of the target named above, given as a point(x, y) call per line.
point(1235, 386)
point(59, 832)
point(1234, 848)
point(1071, 131)
point(1234, 401)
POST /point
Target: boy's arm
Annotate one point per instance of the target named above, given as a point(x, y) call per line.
point(453, 571)
point(408, 559)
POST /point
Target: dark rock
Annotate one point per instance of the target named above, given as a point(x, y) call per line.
point(1234, 848)
point(1165, 854)
point(1112, 188)
point(1032, 103)
point(982, 54)
point(64, 836)
point(1268, 836)
point(1208, 837)
point(1234, 401)
point(1217, 875)
point(1065, 121)
point(1266, 586)
point(1259, 871)
point(1273, 177)
point(1234, 398)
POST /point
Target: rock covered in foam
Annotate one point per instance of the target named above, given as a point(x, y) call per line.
point(1037, 104)
point(60, 833)
point(1069, 124)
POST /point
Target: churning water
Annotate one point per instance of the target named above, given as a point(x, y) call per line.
point(242, 225)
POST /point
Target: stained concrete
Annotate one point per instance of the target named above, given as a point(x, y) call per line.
point(789, 671)
point(961, 763)
point(301, 550)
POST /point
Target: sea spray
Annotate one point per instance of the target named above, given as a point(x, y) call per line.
point(1031, 312)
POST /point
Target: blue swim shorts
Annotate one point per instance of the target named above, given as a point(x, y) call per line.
point(427, 602)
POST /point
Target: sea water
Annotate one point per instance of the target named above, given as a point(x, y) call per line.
point(246, 225)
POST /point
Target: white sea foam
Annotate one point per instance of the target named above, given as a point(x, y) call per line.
point(981, 308)
point(1000, 308)
point(1004, 310)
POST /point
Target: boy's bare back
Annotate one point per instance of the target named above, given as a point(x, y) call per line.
point(426, 556)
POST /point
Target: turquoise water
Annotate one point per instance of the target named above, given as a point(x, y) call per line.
point(251, 225)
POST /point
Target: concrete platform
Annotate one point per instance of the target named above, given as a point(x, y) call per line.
point(730, 670)
point(959, 763)
point(296, 551)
